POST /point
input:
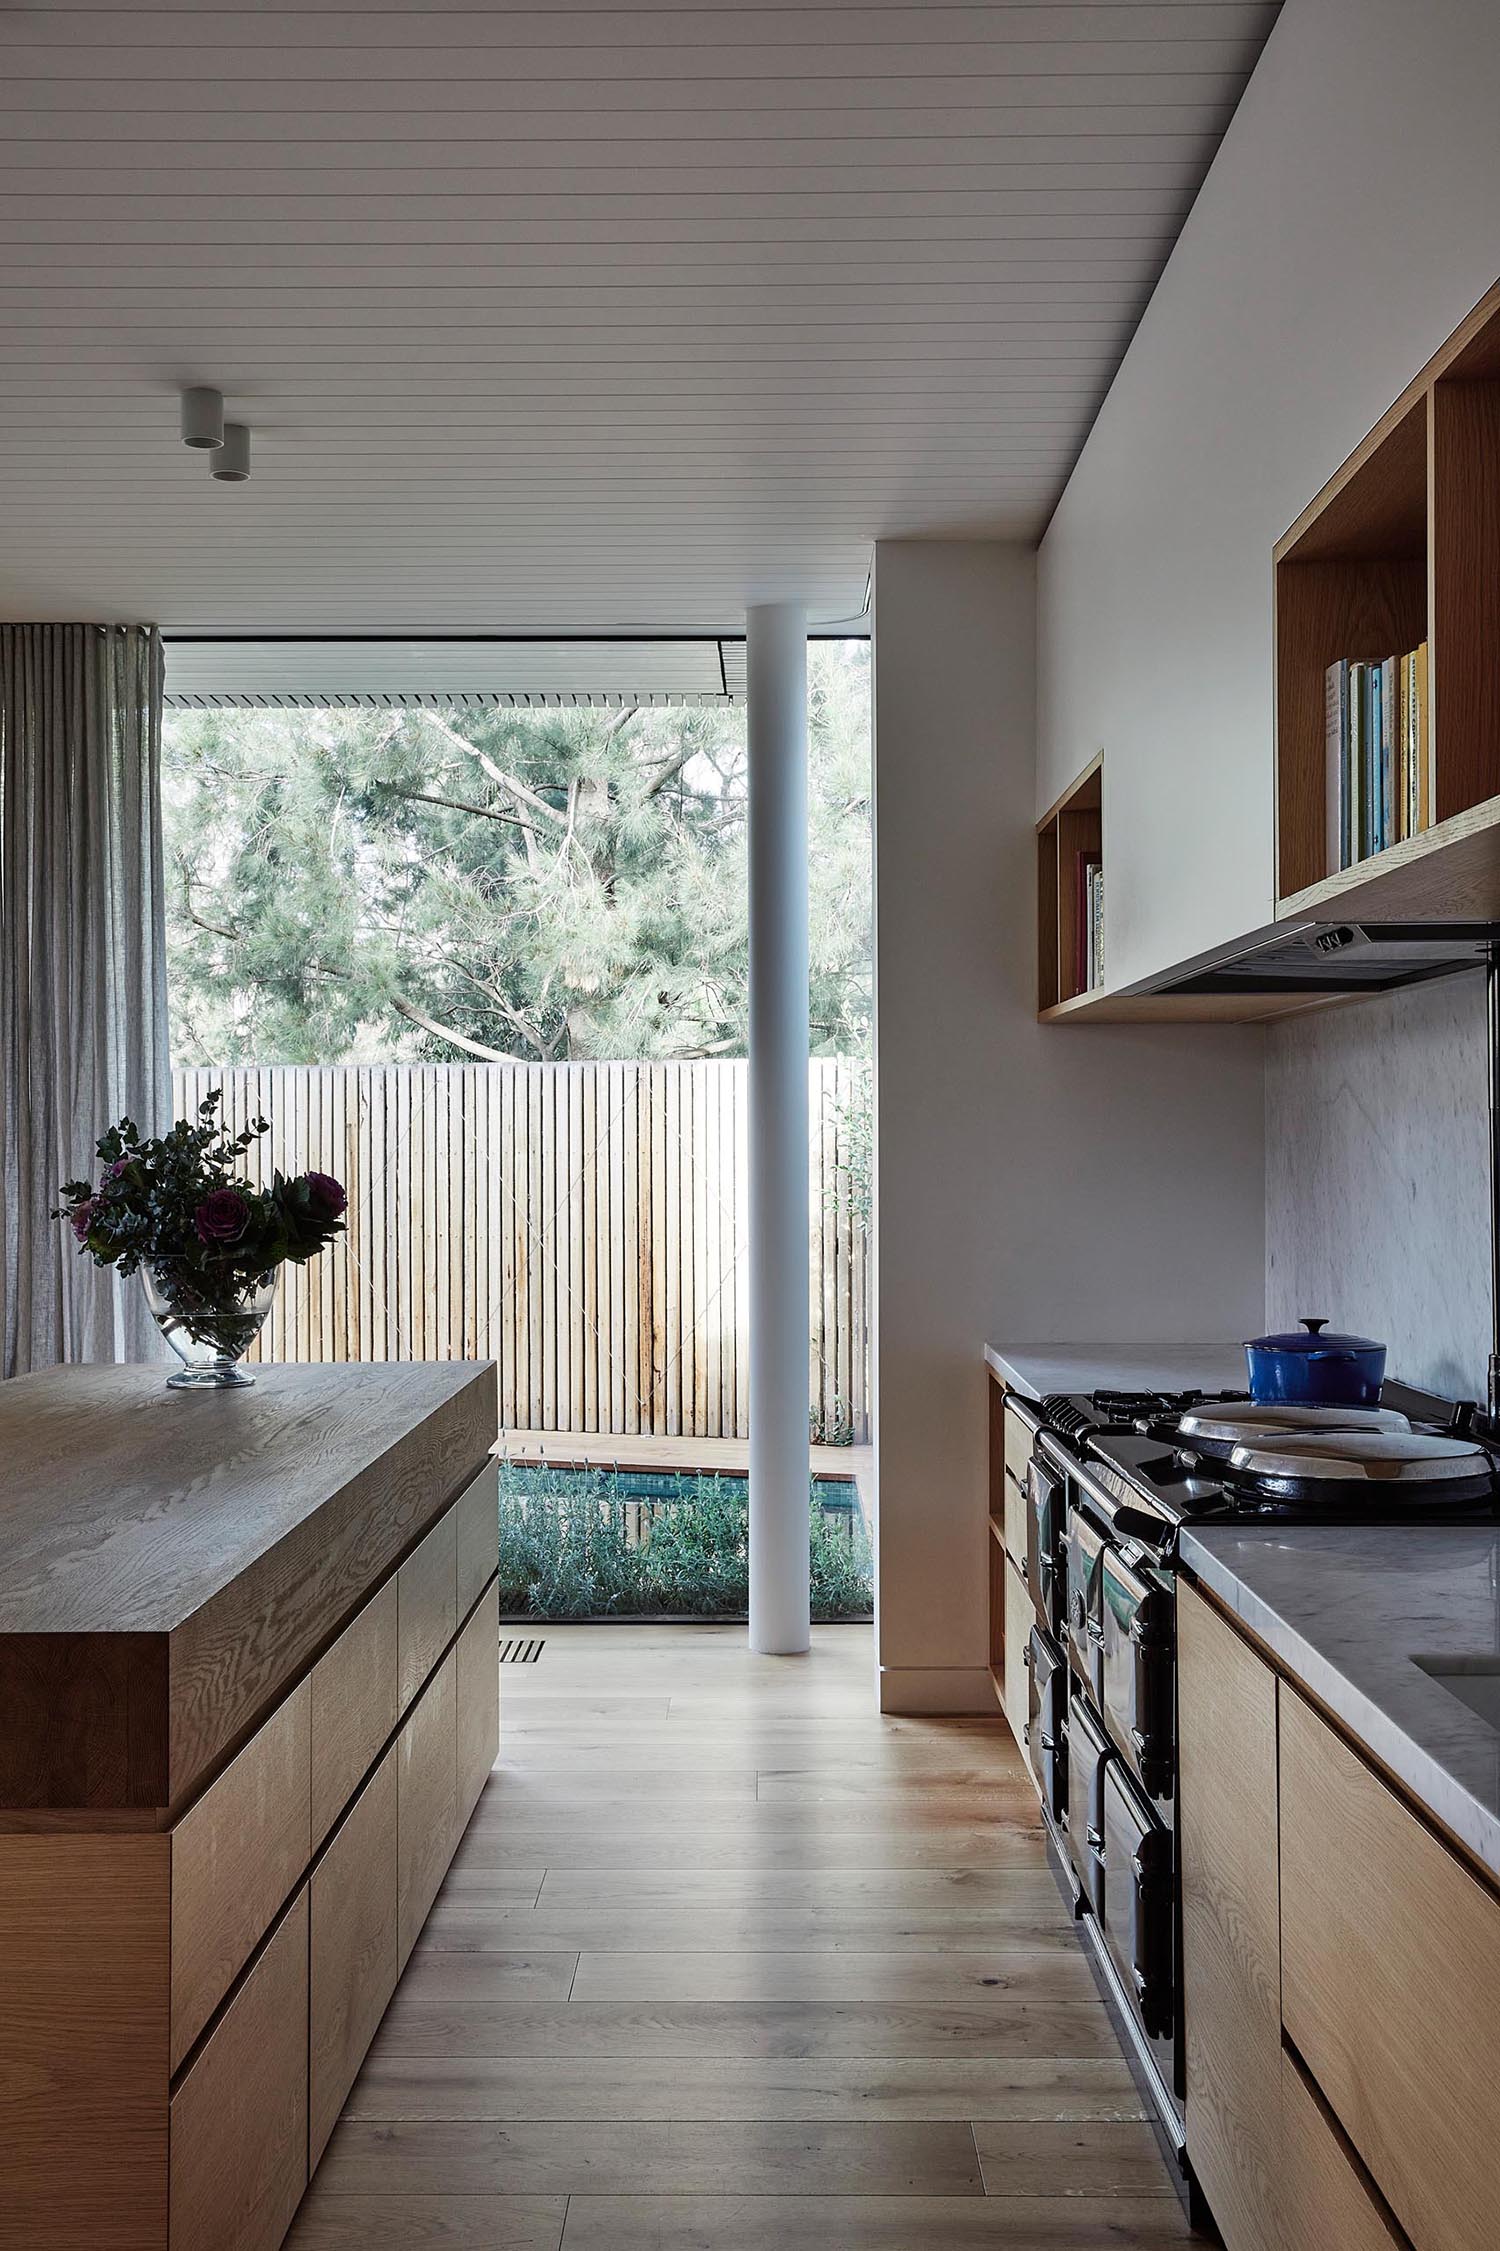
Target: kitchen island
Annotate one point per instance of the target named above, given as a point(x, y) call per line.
point(249, 1681)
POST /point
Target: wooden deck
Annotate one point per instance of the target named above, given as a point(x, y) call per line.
point(567, 1449)
point(730, 1962)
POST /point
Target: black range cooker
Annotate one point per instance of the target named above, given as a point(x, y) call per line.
point(1113, 1478)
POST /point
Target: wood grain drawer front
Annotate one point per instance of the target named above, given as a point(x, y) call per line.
point(352, 1900)
point(427, 1604)
point(1231, 1995)
point(1390, 1987)
point(355, 1707)
point(1015, 1520)
point(426, 1802)
point(239, 2119)
point(1019, 1616)
point(236, 1856)
point(478, 1656)
point(1327, 2205)
point(478, 1536)
point(1019, 1441)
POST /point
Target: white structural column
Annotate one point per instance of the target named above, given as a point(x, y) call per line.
point(776, 652)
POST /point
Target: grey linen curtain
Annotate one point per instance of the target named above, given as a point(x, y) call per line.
point(83, 989)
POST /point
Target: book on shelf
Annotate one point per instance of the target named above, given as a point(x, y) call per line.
point(1088, 919)
point(1379, 787)
point(1096, 927)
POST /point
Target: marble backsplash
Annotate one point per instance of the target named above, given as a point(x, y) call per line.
point(1377, 1177)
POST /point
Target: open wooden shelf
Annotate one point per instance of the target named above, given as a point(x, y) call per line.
point(1402, 546)
point(1073, 825)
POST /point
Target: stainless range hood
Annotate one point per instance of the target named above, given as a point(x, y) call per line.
point(1330, 959)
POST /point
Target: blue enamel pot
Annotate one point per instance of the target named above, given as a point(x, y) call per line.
point(1308, 1368)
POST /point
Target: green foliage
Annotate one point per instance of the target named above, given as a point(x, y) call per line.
point(568, 1550)
point(359, 886)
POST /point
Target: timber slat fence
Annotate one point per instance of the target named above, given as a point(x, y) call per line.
point(582, 1224)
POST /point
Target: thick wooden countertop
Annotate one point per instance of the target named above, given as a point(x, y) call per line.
point(171, 1561)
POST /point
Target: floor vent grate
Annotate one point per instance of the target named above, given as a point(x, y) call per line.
point(521, 1652)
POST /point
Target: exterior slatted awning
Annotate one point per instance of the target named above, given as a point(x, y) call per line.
point(296, 673)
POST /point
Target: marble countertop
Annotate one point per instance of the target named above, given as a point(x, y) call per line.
point(1037, 1369)
point(1348, 1612)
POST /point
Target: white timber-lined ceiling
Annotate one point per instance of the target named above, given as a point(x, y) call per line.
point(568, 318)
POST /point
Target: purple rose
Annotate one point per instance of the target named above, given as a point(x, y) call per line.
point(83, 1219)
point(222, 1217)
point(326, 1196)
point(113, 1172)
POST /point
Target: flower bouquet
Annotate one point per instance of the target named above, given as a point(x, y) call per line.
point(206, 1241)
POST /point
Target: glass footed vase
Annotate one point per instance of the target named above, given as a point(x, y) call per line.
point(209, 1329)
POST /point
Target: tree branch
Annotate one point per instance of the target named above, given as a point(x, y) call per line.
point(460, 805)
point(497, 775)
point(444, 1032)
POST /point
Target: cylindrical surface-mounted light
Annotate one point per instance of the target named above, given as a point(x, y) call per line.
point(202, 417)
point(231, 460)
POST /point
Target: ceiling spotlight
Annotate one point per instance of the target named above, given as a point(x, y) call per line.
point(202, 418)
point(230, 462)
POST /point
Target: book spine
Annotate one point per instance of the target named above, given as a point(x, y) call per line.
point(1426, 762)
point(1390, 815)
point(1096, 929)
point(1336, 772)
point(1375, 821)
point(1358, 776)
point(1403, 748)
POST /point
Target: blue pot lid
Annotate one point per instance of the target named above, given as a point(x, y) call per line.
point(1313, 1336)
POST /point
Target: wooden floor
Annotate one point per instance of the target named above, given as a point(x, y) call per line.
point(728, 1962)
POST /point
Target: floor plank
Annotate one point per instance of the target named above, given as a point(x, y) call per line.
point(831, 2223)
point(1093, 2159)
point(643, 2156)
point(456, 1927)
point(831, 1976)
point(907, 2088)
point(764, 1889)
point(661, 2031)
point(329, 2222)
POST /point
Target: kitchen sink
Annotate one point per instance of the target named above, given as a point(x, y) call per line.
point(1475, 1681)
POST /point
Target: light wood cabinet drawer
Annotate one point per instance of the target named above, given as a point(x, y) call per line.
point(354, 1708)
point(352, 1902)
point(1326, 2203)
point(1019, 1616)
point(478, 1656)
point(427, 1604)
point(1231, 1991)
point(239, 2119)
point(1019, 1441)
point(1014, 1525)
point(426, 1802)
point(1390, 1980)
point(478, 1510)
point(236, 1856)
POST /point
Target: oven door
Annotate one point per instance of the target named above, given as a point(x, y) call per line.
point(1046, 1509)
point(1137, 1917)
point(1138, 1664)
point(1047, 1729)
point(1085, 1553)
point(1088, 1756)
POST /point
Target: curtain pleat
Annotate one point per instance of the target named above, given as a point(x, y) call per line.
point(83, 985)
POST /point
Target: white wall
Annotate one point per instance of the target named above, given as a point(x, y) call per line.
point(1350, 220)
point(1377, 1178)
point(1033, 1184)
